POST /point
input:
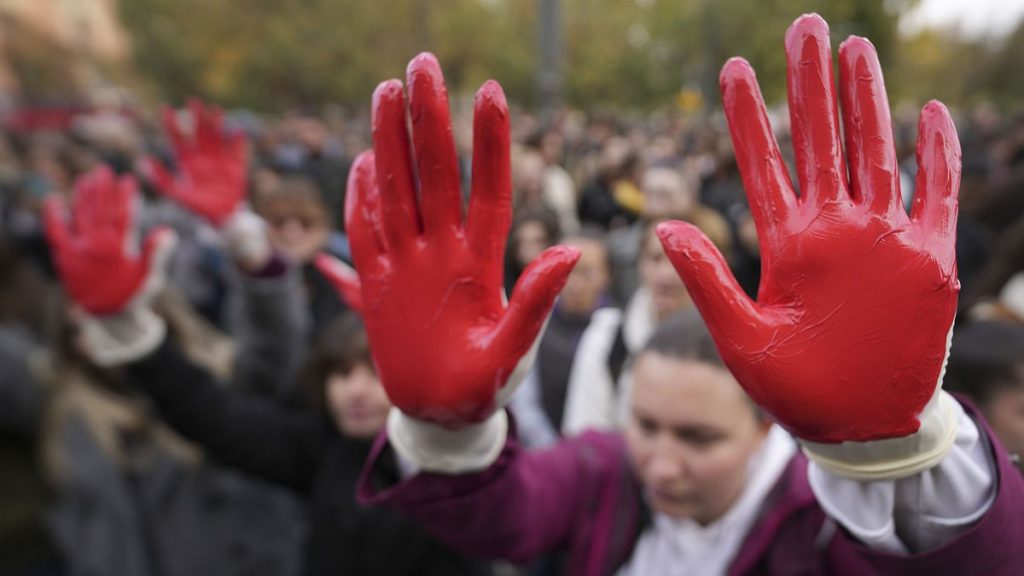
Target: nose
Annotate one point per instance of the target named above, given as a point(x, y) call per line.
point(667, 462)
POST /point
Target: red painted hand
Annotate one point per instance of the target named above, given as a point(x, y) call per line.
point(211, 165)
point(848, 336)
point(98, 263)
point(444, 341)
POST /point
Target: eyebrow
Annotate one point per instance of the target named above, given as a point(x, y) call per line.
point(683, 429)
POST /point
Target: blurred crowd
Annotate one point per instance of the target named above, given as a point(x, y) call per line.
point(102, 476)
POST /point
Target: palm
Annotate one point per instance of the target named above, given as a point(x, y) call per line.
point(90, 251)
point(431, 284)
point(211, 164)
point(850, 329)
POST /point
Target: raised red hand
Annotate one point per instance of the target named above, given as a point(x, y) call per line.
point(443, 338)
point(96, 258)
point(849, 333)
point(211, 177)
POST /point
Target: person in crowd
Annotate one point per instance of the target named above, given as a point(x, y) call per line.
point(317, 454)
point(533, 231)
point(559, 188)
point(843, 349)
point(113, 463)
point(612, 199)
point(289, 207)
point(669, 192)
point(539, 404)
point(601, 373)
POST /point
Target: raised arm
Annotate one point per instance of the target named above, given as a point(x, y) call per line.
point(111, 283)
point(846, 343)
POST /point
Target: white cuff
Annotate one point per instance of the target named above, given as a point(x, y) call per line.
point(123, 337)
point(245, 237)
point(433, 448)
point(893, 458)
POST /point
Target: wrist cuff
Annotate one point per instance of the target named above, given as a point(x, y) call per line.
point(433, 448)
point(893, 458)
point(123, 337)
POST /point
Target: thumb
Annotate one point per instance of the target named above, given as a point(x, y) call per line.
point(344, 279)
point(726, 309)
point(532, 299)
point(156, 256)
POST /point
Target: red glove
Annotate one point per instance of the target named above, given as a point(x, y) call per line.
point(443, 338)
point(97, 262)
point(849, 335)
point(211, 165)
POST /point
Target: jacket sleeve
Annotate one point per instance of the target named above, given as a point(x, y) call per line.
point(22, 395)
point(524, 504)
point(271, 327)
point(247, 432)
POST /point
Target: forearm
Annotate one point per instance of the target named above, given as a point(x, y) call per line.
point(520, 505)
point(250, 433)
point(271, 328)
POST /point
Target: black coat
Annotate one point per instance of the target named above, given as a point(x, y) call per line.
point(304, 452)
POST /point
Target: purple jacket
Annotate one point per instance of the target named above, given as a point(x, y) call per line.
point(582, 497)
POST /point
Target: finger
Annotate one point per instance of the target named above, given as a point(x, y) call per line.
point(769, 190)
point(344, 279)
point(109, 210)
point(490, 202)
point(394, 164)
point(363, 215)
point(440, 196)
point(813, 115)
point(867, 123)
point(938, 171)
point(91, 198)
point(122, 212)
point(726, 309)
point(207, 122)
point(532, 298)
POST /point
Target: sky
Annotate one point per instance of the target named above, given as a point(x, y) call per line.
point(972, 18)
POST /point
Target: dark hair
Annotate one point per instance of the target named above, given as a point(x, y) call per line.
point(986, 357)
point(340, 347)
point(684, 336)
point(592, 233)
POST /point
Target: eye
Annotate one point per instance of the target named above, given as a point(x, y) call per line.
point(646, 426)
point(700, 439)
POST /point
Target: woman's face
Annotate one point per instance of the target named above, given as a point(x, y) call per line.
point(690, 436)
point(357, 402)
point(531, 238)
point(589, 279)
point(668, 292)
point(297, 229)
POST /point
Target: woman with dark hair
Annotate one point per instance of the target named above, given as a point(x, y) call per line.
point(533, 231)
point(866, 467)
point(317, 454)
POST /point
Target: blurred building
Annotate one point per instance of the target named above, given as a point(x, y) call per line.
point(54, 48)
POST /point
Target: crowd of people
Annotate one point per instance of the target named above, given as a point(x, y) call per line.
point(235, 444)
